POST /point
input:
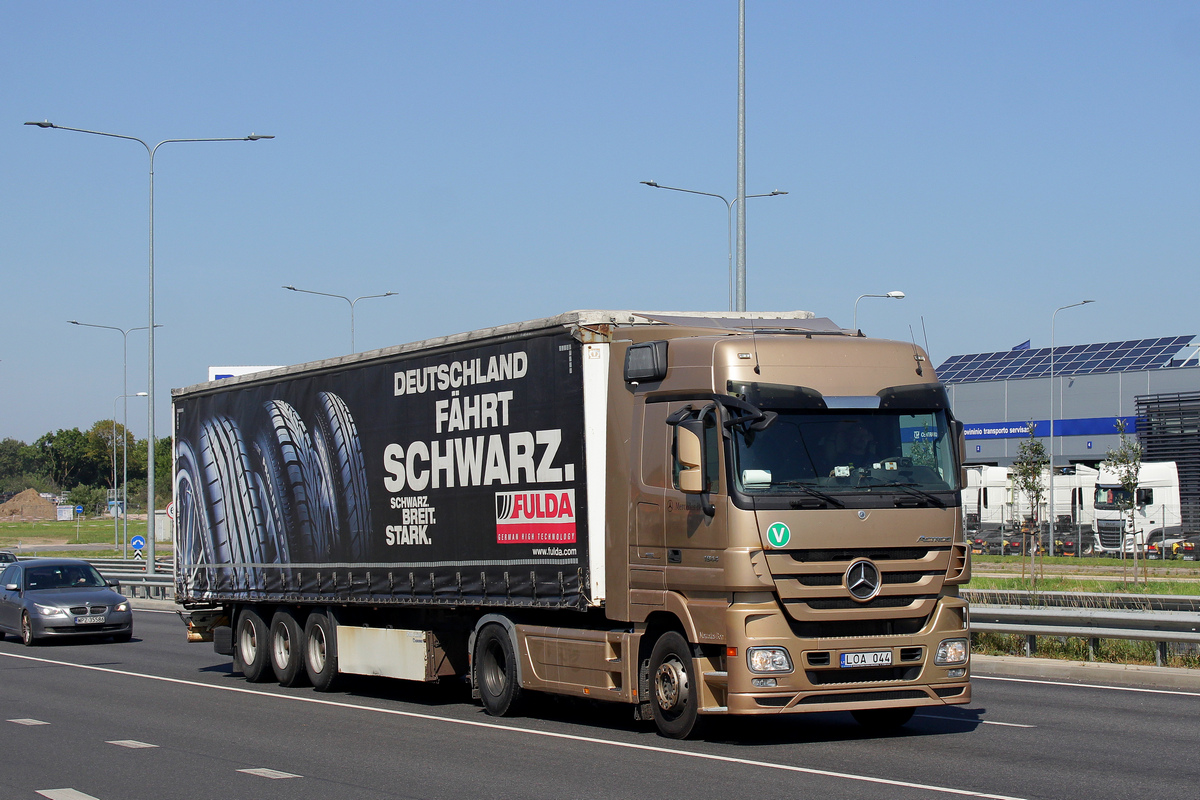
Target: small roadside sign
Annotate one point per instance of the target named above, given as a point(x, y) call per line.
point(171, 510)
point(137, 542)
point(78, 509)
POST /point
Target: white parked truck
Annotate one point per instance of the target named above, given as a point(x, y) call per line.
point(1156, 509)
point(693, 514)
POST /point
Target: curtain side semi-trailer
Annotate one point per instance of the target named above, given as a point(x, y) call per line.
point(693, 514)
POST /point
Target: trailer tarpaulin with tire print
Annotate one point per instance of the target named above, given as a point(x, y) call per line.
point(446, 477)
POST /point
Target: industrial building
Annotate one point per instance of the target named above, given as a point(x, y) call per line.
point(1153, 385)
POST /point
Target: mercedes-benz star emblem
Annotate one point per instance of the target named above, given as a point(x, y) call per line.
point(863, 580)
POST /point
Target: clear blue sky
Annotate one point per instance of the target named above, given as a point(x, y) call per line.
point(992, 160)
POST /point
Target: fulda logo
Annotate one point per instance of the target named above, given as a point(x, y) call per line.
point(535, 517)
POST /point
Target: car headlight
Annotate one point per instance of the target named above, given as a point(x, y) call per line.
point(952, 651)
point(768, 659)
point(49, 611)
point(122, 606)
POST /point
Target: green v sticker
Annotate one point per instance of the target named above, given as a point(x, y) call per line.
point(778, 535)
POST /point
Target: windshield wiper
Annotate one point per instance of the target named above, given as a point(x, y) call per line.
point(807, 487)
point(910, 488)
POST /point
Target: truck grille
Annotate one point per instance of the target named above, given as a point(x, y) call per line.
point(1109, 531)
point(811, 587)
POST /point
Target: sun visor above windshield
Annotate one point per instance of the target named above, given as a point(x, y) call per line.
point(917, 396)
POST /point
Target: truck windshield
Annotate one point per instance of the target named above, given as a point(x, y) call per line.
point(1112, 497)
point(846, 452)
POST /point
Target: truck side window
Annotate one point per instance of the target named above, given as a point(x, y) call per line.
point(655, 443)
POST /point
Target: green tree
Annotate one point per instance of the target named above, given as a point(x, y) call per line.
point(94, 499)
point(1125, 462)
point(64, 454)
point(1027, 471)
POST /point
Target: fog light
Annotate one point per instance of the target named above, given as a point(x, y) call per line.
point(952, 651)
point(764, 683)
point(768, 659)
point(956, 673)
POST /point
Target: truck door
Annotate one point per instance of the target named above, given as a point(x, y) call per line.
point(691, 533)
point(650, 487)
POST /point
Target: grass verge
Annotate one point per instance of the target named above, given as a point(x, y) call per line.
point(1108, 651)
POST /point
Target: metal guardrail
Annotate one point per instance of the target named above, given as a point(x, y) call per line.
point(1092, 624)
point(133, 580)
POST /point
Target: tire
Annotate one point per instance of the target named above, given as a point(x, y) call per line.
point(251, 645)
point(121, 638)
point(237, 519)
point(293, 488)
point(287, 649)
point(335, 438)
point(320, 652)
point(495, 665)
point(27, 630)
point(883, 720)
point(193, 531)
point(674, 694)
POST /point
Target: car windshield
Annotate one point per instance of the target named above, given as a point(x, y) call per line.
point(846, 452)
point(63, 576)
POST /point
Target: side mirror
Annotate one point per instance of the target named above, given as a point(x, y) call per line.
point(12, 587)
point(690, 446)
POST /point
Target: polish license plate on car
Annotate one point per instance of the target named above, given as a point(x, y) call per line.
point(871, 658)
point(92, 620)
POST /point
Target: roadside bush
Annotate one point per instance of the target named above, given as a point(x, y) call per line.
point(94, 499)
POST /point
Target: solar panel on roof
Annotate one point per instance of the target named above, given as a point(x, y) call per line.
point(1134, 355)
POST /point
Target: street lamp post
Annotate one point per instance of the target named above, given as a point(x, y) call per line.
point(729, 204)
point(1050, 504)
point(124, 468)
point(889, 295)
point(348, 300)
point(150, 151)
point(124, 388)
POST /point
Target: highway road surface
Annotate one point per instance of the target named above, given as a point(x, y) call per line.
point(160, 719)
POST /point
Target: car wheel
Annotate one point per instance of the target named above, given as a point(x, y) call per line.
point(27, 630)
point(287, 649)
point(320, 652)
point(124, 636)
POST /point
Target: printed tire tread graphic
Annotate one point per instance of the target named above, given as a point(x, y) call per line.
point(294, 484)
point(237, 519)
point(337, 444)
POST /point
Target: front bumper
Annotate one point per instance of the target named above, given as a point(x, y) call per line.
point(818, 682)
point(115, 623)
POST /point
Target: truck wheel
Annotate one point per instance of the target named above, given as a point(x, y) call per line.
point(883, 720)
point(320, 652)
point(674, 694)
point(252, 651)
point(287, 649)
point(496, 672)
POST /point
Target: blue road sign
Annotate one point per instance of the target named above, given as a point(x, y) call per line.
point(137, 542)
point(78, 509)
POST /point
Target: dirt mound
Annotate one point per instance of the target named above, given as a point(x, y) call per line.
point(28, 505)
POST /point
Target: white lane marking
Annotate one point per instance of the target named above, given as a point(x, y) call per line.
point(132, 744)
point(64, 794)
point(970, 721)
point(273, 774)
point(29, 722)
point(1085, 685)
point(525, 731)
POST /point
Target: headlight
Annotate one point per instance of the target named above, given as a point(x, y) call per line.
point(49, 611)
point(768, 659)
point(122, 606)
point(952, 651)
